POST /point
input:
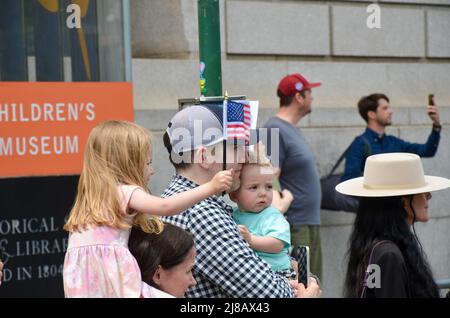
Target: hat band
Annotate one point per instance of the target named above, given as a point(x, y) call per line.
point(399, 186)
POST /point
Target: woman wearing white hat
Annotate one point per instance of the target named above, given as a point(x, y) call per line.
point(394, 195)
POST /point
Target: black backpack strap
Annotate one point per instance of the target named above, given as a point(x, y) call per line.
point(367, 153)
point(338, 162)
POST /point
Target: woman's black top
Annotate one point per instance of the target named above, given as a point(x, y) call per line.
point(393, 282)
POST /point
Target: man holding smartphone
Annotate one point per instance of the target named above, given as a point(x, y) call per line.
point(377, 112)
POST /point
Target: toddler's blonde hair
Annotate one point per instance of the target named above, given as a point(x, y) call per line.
point(258, 157)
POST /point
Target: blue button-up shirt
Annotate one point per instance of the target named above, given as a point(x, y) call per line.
point(359, 151)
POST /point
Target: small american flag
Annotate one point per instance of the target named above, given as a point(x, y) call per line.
point(238, 120)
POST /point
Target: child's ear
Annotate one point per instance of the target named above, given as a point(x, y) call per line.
point(233, 196)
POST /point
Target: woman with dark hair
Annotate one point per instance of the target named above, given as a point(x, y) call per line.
point(165, 260)
point(386, 259)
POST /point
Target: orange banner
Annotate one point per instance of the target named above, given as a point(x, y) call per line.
point(44, 126)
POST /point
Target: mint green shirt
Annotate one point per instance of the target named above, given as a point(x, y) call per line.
point(268, 222)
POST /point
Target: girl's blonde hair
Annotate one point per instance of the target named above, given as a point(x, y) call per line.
point(116, 153)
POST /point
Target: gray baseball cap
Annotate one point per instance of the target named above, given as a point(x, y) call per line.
point(198, 125)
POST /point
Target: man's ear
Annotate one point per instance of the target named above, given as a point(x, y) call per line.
point(299, 97)
point(371, 114)
point(201, 157)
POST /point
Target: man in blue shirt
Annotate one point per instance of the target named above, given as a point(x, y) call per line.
point(377, 112)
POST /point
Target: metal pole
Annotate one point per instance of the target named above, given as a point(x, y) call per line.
point(127, 39)
point(209, 48)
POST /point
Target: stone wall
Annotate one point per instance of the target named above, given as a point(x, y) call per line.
point(407, 58)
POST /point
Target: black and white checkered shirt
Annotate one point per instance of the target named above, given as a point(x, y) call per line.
point(225, 265)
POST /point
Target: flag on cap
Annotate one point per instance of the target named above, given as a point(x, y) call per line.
point(237, 117)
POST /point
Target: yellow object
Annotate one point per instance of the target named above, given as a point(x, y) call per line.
point(84, 5)
point(50, 5)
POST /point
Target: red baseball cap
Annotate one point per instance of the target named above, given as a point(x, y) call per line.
point(294, 83)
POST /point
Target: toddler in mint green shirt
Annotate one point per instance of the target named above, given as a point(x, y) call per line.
point(263, 227)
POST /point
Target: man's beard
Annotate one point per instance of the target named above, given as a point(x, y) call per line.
point(384, 123)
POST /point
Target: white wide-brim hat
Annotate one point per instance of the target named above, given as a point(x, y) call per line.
point(392, 174)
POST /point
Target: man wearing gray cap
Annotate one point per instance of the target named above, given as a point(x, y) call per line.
point(225, 264)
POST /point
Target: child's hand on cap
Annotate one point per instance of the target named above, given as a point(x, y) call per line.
point(222, 181)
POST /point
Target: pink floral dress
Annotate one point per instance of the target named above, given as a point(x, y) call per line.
point(99, 264)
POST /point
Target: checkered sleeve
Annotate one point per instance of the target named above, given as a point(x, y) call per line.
point(227, 261)
point(225, 264)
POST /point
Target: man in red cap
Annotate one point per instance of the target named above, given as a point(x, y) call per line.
point(298, 166)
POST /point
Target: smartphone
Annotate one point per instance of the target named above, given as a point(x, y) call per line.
point(431, 99)
point(303, 264)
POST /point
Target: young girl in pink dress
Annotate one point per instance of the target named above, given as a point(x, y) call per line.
point(111, 198)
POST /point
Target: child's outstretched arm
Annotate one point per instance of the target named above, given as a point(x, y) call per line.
point(143, 202)
point(261, 243)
